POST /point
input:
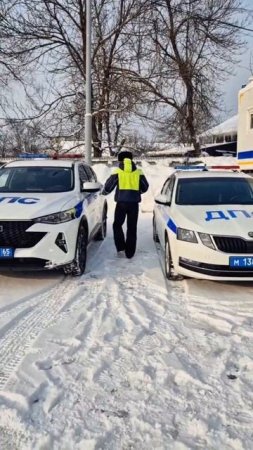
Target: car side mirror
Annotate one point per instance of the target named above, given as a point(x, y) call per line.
point(162, 199)
point(91, 186)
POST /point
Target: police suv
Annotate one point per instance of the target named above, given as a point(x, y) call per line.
point(49, 211)
point(204, 223)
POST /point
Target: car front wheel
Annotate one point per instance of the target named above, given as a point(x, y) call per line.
point(155, 235)
point(101, 234)
point(77, 267)
point(167, 260)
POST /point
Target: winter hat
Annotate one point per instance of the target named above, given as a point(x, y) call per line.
point(124, 154)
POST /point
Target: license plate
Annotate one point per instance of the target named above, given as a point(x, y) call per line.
point(241, 261)
point(6, 252)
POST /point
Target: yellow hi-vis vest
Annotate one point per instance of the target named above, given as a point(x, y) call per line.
point(128, 180)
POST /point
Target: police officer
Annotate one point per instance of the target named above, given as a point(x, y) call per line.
point(130, 183)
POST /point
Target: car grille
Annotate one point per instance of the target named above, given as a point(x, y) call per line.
point(233, 245)
point(14, 234)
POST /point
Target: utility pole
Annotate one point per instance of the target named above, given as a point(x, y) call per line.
point(88, 114)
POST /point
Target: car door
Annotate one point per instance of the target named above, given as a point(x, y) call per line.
point(164, 210)
point(89, 206)
point(98, 200)
point(159, 212)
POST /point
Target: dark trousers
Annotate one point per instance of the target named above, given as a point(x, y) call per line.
point(130, 211)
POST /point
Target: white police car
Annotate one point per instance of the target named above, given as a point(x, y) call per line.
point(49, 211)
point(204, 222)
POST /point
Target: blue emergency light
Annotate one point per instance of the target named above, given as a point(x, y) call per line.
point(192, 167)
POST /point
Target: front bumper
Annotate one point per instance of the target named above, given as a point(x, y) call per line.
point(215, 270)
point(198, 261)
point(45, 254)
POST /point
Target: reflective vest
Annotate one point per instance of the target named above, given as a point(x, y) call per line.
point(130, 182)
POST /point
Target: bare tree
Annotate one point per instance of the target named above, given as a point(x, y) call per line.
point(116, 94)
point(158, 59)
point(191, 45)
point(50, 36)
point(17, 137)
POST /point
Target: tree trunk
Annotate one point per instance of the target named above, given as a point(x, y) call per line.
point(96, 140)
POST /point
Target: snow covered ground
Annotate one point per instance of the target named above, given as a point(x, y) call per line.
point(121, 358)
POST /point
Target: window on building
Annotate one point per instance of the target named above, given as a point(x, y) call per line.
point(251, 121)
point(228, 138)
point(219, 139)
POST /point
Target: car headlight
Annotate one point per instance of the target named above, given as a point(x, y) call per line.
point(206, 240)
point(59, 217)
point(186, 235)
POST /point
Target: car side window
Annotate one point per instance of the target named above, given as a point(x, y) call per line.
point(82, 174)
point(90, 173)
point(169, 188)
point(3, 178)
point(165, 186)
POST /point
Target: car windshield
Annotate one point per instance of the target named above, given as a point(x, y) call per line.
point(36, 179)
point(214, 191)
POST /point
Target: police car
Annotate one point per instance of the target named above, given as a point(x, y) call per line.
point(49, 212)
point(204, 222)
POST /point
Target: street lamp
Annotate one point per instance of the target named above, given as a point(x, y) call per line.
point(88, 114)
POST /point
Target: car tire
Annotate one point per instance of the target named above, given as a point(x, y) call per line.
point(77, 267)
point(101, 234)
point(167, 260)
point(155, 235)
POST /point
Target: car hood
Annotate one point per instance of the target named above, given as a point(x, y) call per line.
point(229, 220)
point(31, 205)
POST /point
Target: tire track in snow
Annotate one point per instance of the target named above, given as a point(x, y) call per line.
point(15, 309)
point(29, 324)
point(115, 371)
point(146, 357)
point(34, 314)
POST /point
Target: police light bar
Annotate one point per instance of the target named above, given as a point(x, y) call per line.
point(32, 155)
point(206, 168)
point(225, 167)
point(68, 156)
point(192, 167)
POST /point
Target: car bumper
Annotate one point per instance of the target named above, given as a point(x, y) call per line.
point(214, 271)
point(47, 253)
point(198, 261)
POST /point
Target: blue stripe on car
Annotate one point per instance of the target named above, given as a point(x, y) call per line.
point(172, 226)
point(245, 155)
point(79, 209)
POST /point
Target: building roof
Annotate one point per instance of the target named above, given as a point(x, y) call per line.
point(247, 86)
point(229, 126)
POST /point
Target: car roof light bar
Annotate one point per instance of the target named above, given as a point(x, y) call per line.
point(192, 167)
point(68, 156)
point(206, 168)
point(225, 167)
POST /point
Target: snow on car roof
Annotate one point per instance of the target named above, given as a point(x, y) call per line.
point(40, 163)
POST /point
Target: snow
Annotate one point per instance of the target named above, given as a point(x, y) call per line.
point(122, 359)
point(229, 126)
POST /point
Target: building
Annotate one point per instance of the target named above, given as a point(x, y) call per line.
point(245, 126)
point(220, 139)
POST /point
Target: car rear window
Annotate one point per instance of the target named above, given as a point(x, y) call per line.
point(214, 191)
point(36, 179)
